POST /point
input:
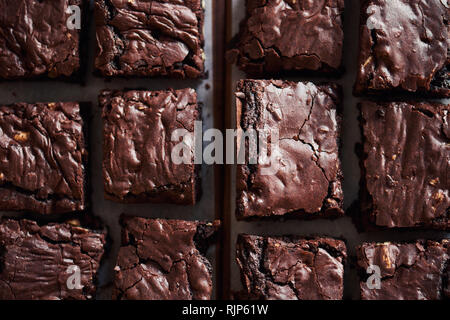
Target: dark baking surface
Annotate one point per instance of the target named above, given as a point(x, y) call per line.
point(290, 35)
point(43, 158)
point(163, 260)
point(24, 245)
point(410, 271)
point(150, 38)
point(404, 165)
point(137, 145)
point(35, 40)
point(404, 46)
point(306, 117)
point(291, 268)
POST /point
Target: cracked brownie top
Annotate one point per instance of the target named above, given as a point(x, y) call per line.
point(408, 271)
point(405, 164)
point(290, 35)
point(42, 158)
point(163, 260)
point(48, 262)
point(138, 146)
point(150, 38)
point(404, 46)
point(291, 268)
point(304, 174)
point(35, 40)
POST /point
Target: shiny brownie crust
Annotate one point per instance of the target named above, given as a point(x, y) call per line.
point(291, 268)
point(35, 40)
point(307, 180)
point(409, 271)
point(290, 36)
point(150, 38)
point(37, 262)
point(164, 260)
point(43, 158)
point(404, 162)
point(404, 47)
point(137, 146)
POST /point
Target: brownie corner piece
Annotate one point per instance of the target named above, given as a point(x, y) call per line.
point(290, 36)
point(404, 165)
point(150, 38)
point(304, 177)
point(164, 260)
point(404, 48)
point(417, 270)
point(55, 261)
point(291, 268)
point(138, 128)
point(38, 41)
point(43, 158)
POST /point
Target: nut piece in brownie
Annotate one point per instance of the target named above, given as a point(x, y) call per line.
point(408, 271)
point(405, 165)
point(138, 146)
point(404, 47)
point(35, 40)
point(48, 262)
point(289, 36)
point(163, 260)
point(304, 175)
point(291, 268)
point(150, 38)
point(42, 158)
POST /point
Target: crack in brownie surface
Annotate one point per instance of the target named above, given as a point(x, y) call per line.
point(42, 158)
point(150, 38)
point(291, 268)
point(138, 146)
point(35, 40)
point(404, 46)
point(287, 35)
point(35, 260)
point(307, 179)
point(405, 165)
point(162, 260)
point(409, 271)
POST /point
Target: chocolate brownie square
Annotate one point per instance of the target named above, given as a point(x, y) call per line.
point(404, 47)
point(163, 260)
point(150, 38)
point(40, 38)
point(304, 175)
point(289, 36)
point(56, 261)
point(291, 268)
point(43, 158)
point(405, 165)
point(405, 271)
point(138, 146)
